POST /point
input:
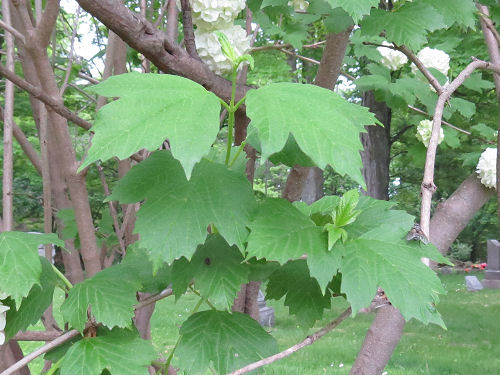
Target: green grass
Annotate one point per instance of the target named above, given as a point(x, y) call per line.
point(471, 345)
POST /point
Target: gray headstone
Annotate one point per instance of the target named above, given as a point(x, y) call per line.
point(493, 270)
point(266, 314)
point(473, 284)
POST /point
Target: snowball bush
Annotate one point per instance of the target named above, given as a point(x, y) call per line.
point(487, 167)
point(210, 51)
point(433, 58)
point(424, 131)
point(299, 5)
point(3, 316)
point(215, 14)
point(391, 58)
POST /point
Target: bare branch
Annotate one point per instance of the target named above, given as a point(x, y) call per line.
point(154, 298)
point(71, 52)
point(13, 31)
point(187, 23)
point(55, 103)
point(307, 341)
point(485, 18)
point(173, 13)
point(42, 350)
point(161, 14)
point(37, 336)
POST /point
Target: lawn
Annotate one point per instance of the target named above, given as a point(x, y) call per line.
point(471, 345)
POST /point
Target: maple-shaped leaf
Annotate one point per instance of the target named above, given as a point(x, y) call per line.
point(304, 297)
point(218, 271)
point(408, 25)
point(281, 232)
point(181, 277)
point(32, 307)
point(460, 12)
point(20, 266)
point(121, 352)
point(356, 9)
point(177, 212)
point(325, 126)
point(152, 108)
point(394, 265)
point(222, 341)
point(110, 293)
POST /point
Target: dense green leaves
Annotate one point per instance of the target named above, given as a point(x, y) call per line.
point(111, 294)
point(218, 271)
point(325, 126)
point(32, 307)
point(20, 266)
point(304, 297)
point(356, 9)
point(151, 108)
point(281, 232)
point(121, 352)
point(461, 12)
point(222, 341)
point(177, 212)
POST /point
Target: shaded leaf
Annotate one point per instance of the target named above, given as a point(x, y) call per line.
point(356, 9)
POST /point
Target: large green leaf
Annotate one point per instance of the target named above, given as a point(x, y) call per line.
point(218, 271)
point(408, 25)
point(325, 126)
point(33, 306)
point(120, 351)
point(395, 266)
point(111, 294)
point(356, 9)
point(281, 232)
point(303, 294)
point(222, 341)
point(151, 108)
point(20, 266)
point(177, 212)
point(461, 12)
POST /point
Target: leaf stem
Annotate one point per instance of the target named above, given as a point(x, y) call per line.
point(203, 298)
point(238, 153)
point(54, 367)
point(231, 110)
point(63, 278)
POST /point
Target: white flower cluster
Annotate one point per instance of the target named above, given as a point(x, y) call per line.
point(299, 5)
point(391, 58)
point(218, 15)
point(3, 317)
point(487, 167)
point(424, 131)
point(210, 51)
point(433, 58)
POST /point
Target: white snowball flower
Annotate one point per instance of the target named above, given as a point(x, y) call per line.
point(299, 5)
point(210, 51)
point(213, 15)
point(3, 318)
point(424, 131)
point(391, 58)
point(487, 167)
point(433, 58)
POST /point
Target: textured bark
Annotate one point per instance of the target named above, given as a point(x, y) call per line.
point(376, 153)
point(10, 353)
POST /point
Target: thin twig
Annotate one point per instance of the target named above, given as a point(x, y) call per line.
point(162, 14)
point(489, 24)
point(82, 75)
point(71, 52)
point(13, 31)
point(42, 350)
point(307, 341)
point(154, 298)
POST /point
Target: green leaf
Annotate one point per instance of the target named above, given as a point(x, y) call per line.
point(334, 234)
point(372, 82)
point(476, 83)
point(303, 294)
point(460, 12)
point(484, 130)
point(222, 341)
point(345, 212)
point(121, 352)
point(218, 271)
point(151, 108)
point(111, 293)
point(291, 155)
point(451, 137)
point(411, 286)
point(337, 20)
point(324, 205)
point(325, 126)
point(407, 25)
point(177, 212)
point(33, 306)
point(464, 107)
point(281, 232)
point(181, 277)
point(70, 229)
point(356, 9)
point(20, 266)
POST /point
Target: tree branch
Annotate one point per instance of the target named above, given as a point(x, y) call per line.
point(46, 26)
point(13, 31)
point(173, 13)
point(188, 29)
point(307, 341)
point(55, 103)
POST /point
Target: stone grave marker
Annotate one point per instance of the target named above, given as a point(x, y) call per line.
point(492, 272)
point(473, 284)
point(266, 313)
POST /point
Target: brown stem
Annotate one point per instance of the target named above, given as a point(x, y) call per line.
point(188, 29)
point(172, 27)
point(71, 52)
point(46, 25)
point(306, 342)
